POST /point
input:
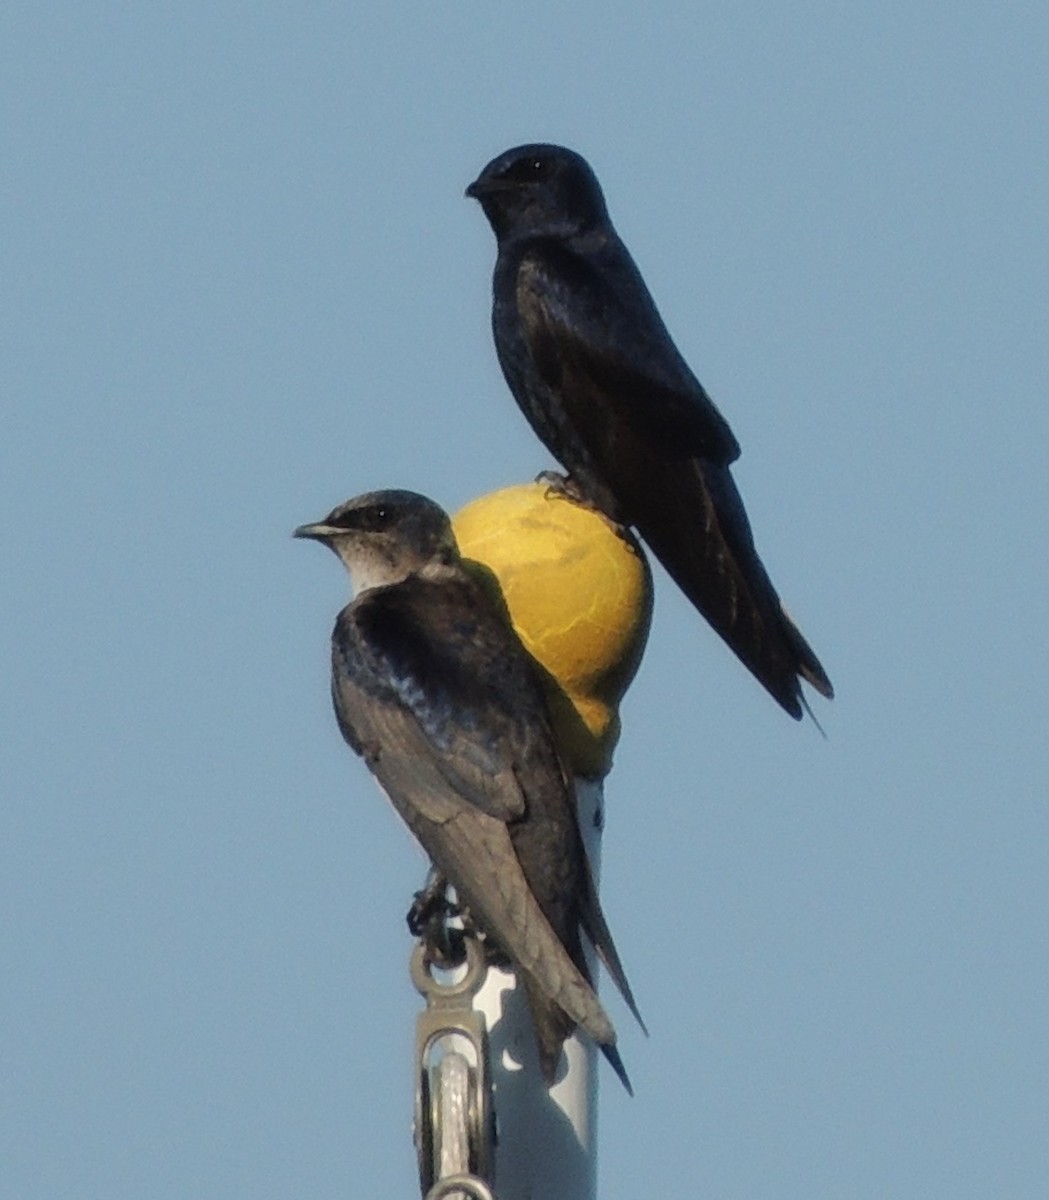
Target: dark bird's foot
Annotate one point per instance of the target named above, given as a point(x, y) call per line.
point(564, 485)
point(569, 488)
point(430, 920)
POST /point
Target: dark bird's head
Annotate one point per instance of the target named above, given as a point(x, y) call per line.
point(540, 190)
point(383, 537)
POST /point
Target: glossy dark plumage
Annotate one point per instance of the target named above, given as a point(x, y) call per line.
point(596, 373)
point(433, 689)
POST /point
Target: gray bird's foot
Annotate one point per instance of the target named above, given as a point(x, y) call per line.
point(430, 920)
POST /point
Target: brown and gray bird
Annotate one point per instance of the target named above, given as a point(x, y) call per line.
point(433, 689)
point(596, 373)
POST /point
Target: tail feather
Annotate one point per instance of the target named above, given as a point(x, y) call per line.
point(712, 558)
point(598, 932)
point(616, 1063)
point(809, 666)
point(552, 1026)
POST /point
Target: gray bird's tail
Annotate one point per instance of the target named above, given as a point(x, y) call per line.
point(552, 1026)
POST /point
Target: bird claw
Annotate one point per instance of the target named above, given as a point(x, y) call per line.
point(565, 486)
point(568, 488)
point(430, 920)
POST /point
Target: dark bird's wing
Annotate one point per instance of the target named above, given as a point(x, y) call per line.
point(432, 688)
point(650, 447)
point(597, 312)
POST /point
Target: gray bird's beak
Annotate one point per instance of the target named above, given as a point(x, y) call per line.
point(319, 532)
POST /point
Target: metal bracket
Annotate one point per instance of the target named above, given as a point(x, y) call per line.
point(460, 1185)
point(454, 1115)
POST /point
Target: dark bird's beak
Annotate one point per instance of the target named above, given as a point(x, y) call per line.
point(485, 187)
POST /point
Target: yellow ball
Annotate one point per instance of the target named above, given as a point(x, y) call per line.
point(580, 597)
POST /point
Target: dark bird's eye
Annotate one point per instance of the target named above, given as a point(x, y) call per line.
point(526, 170)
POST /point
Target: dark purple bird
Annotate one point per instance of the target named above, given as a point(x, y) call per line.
point(596, 373)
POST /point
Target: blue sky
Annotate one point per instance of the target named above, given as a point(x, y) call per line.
point(241, 285)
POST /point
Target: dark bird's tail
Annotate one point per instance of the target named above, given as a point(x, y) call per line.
point(695, 524)
point(808, 665)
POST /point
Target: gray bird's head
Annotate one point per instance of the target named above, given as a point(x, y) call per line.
point(383, 537)
point(540, 190)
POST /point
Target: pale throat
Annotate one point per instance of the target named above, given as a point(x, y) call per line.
point(377, 566)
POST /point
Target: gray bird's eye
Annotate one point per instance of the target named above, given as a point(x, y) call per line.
point(369, 519)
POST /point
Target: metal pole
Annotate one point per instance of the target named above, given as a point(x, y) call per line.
point(546, 1144)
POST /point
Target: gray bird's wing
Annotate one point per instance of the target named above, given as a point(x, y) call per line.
point(432, 689)
point(427, 673)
